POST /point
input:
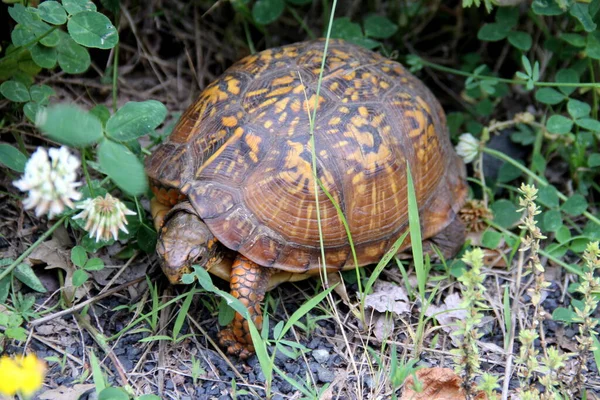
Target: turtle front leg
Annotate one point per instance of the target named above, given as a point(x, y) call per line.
point(248, 284)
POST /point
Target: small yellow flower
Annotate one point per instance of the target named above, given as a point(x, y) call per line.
point(23, 375)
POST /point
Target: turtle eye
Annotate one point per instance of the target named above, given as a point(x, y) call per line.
point(196, 256)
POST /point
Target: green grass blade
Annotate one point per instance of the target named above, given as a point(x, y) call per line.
point(304, 309)
point(99, 380)
point(415, 232)
point(182, 314)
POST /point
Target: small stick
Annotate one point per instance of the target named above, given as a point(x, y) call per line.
point(85, 303)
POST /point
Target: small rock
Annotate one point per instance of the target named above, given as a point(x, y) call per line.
point(325, 375)
point(292, 368)
point(320, 355)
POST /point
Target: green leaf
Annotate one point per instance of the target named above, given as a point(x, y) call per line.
point(50, 40)
point(266, 11)
point(366, 42)
point(16, 333)
point(563, 234)
point(72, 58)
point(94, 264)
point(70, 125)
point(493, 32)
point(548, 196)
point(111, 393)
point(520, 40)
point(343, 28)
point(573, 39)
point(589, 124)
point(79, 277)
point(575, 205)
point(203, 278)
point(508, 172)
point(102, 112)
point(35, 29)
point(21, 35)
point(226, 313)
point(491, 239)
point(578, 109)
point(21, 14)
point(563, 314)
point(12, 158)
point(581, 12)
point(52, 12)
point(4, 290)
point(31, 110)
point(593, 160)
point(147, 237)
point(135, 119)
point(123, 167)
point(15, 91)
point(113, 6)
point(379, 27)
point(91, 245)
point(505, 213)
point(45, 57)
point(552, 220)
point(559, 124)
point(546, 7)
point(526, 65)
point(149, 397)
point(77, 6)
point(92, 29)
point(41, 93)
point(592, 48)
point(25, 274)
point(508, 16)
point(299, 2)
point(79, 256)
point(549, 96)
point(567, 76)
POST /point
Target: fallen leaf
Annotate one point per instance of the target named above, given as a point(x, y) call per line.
point(388, 297)
point(448, 313)
point(55, 255)
point(383, 326)
point(437, 384)
point(66, 393)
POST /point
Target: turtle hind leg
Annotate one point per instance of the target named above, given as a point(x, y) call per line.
point(248, 284)
point(449, 241)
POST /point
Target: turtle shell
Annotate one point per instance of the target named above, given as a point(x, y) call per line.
point(242, 155)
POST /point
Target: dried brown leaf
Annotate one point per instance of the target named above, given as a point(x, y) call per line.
point(55, 255)
point(438, 384)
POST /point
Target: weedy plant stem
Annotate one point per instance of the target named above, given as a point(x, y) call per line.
point(31, 248)
point(512, 334)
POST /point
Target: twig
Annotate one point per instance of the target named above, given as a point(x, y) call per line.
point(85, 303)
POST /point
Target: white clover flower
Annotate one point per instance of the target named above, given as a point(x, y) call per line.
point(104, 216)
point(50, 182)
point(467, 147)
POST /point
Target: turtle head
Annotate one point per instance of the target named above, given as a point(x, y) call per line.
point(184, 240)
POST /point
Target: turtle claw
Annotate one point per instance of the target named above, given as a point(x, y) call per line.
point(234, 347)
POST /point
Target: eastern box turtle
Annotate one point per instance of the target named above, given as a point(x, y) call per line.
point(234, 189)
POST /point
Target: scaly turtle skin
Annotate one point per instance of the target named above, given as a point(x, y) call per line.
point(234, 189)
